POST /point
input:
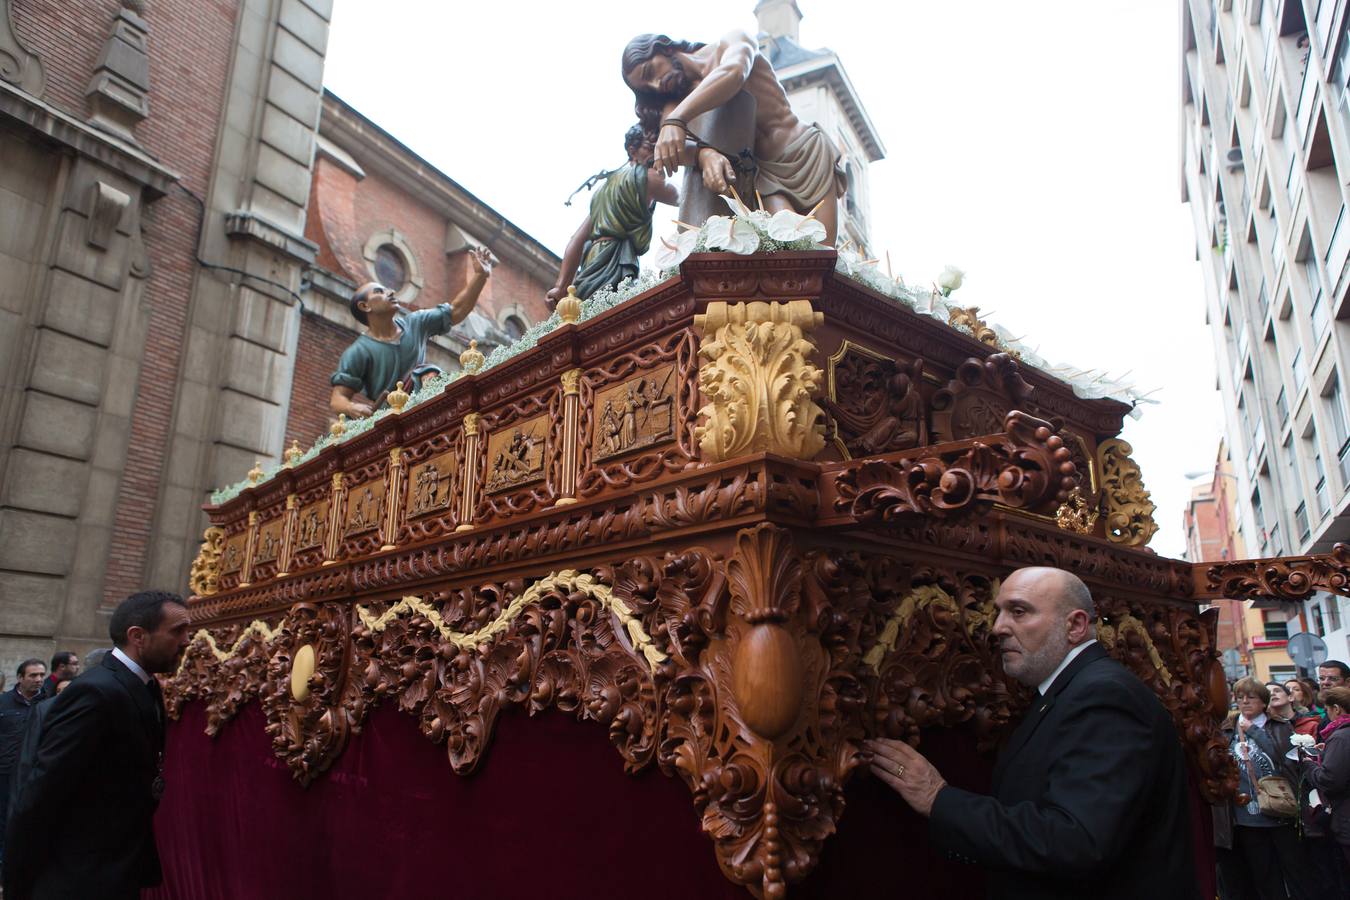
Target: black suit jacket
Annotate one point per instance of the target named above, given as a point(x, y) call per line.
point(89, 782)
point(1090, 796)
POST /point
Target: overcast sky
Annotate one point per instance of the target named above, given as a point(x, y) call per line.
point(1035, 145)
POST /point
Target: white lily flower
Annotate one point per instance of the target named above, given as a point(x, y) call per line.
point(735, 234)
point(671, 253)
point(950, 279)
point(787, 225)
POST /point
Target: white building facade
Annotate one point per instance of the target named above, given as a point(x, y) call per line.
point(820, 91)
point(1265, 130)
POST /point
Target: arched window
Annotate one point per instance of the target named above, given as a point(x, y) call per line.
point(515, 326)
point(390, 268)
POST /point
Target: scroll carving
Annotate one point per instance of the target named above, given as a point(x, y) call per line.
point(976, 400)
point(1027, 467)
point(18, 65)
point(1125, 502)
point(759, 381)
point(1292, 579)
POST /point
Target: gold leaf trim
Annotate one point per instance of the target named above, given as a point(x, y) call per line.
point(568, 580)
point(1109, 634)
point(257, 626)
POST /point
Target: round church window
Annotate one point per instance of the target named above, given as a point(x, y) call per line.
point(390, 268)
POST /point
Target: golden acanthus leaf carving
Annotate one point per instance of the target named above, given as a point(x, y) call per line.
point(759, 380)
point(204, 577)
point(1125, 501)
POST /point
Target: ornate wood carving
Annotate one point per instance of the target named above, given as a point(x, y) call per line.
point(204, 578)
point(976, 400)
point(874, 404)
point(1125, 502)
point(1028, 467)
point(634, 414)
point(1291, 578)
point(758, 380)
point(516, 455)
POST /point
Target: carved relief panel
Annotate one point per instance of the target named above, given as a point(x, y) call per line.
point(433, 486)
point(636, 413)
point(639, 413)
point(515, 455)
point(362, 510)
point(874, 405)
point(267, 548)
point(232, 557)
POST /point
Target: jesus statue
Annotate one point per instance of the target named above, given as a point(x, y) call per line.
point(796, 166)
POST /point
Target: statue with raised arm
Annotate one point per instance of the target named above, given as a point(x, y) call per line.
point(791, 165)
point(605, 249)
point(393, 347)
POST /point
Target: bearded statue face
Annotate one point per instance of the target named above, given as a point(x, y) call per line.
point(659, 76)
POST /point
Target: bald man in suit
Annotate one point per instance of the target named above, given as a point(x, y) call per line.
point(1090, 795)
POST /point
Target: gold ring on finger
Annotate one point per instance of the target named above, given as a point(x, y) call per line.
point(899, 771)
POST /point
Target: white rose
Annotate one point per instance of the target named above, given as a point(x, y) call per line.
point(950, 279)
point(1304, 741)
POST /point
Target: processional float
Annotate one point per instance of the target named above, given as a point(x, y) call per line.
point(740, 522)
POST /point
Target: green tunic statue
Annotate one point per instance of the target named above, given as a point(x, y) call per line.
point(605, 249)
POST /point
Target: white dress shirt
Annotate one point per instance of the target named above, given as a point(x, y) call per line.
point(131, 664)
point(1064, 664)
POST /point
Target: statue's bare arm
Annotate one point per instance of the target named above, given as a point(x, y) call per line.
point(660, 190)
point(570, 262)
point(723, 81)
point(343, 400)
point(481, 262)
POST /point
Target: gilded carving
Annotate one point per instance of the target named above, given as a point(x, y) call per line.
point(232, 559)
point(1125, 502)
point(758, 379)
point(636, 413)
point(515, 455)
point(1075, 514)
point(1291, 579)
point(204, 577)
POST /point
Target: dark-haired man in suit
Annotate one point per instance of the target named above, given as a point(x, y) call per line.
point(1090, 796)
point(94, 776)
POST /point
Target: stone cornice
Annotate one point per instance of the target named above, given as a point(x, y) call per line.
point(378, 152)
point(86, 140)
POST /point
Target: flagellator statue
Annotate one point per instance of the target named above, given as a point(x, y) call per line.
point(393, 346)
point(618, 229)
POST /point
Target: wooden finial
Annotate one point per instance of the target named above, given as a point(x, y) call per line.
point(294, 453)
point(339, 427)
point(255, 474)
point(471, 360)
point(397, 398)
point(569, 307)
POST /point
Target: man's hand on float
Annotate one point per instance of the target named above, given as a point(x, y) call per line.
point(718, 173)
point(669, 143)
point(359, 409)
point(554, 295)
point(907, 772)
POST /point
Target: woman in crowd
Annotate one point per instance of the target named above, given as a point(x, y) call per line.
point(1259, 855)
point(1282, 707)
point(1329, 773)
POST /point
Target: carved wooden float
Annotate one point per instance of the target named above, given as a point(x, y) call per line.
point(741, 521)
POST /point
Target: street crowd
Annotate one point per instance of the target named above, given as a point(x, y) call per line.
point(81, 760)
point(1287, 832)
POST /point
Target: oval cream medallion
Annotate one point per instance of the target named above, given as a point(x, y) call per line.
point(301, 668)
